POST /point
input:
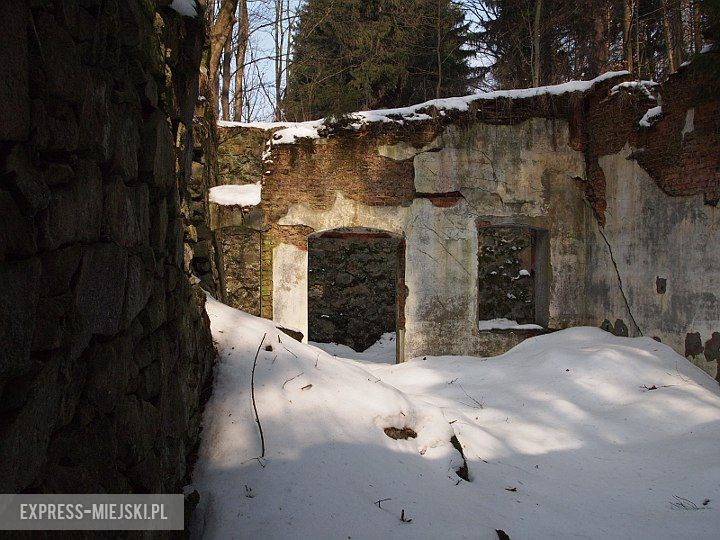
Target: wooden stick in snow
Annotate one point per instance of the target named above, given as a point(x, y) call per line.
point(252, 393)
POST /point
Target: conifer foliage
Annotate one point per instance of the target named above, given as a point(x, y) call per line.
point(362, 54)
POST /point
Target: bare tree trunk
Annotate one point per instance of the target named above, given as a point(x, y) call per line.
point(600, 52)
point(210, 13)
point(535, 55)
point(637, 27)
point(279, 35)
point(676, 27)
point(697, 27)
point(242, 44)
point(438, 50)
point(628, 7)
point(288, 44)
point(668, 35)
point(226, 79)
point(219, 34)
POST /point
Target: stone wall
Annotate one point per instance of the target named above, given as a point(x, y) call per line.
point(241, 249)
point(430, 184)
point(352, 288)
point(506, 275)
point(107, 354)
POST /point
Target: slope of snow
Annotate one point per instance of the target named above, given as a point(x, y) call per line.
point(236, 195)
point(289, 132)
point(185, 7)
point(506, 324)
point(573, 434)
point(383, 350)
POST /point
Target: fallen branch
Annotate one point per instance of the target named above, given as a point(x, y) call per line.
point(252, 394)
point(681, 503)
point(381, 501)
point(288, 350)
point(478, 405)
point(654, 387)
point(292, 379)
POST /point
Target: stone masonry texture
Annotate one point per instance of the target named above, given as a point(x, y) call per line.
point(504, 290)
point(106, 351)
point(352, 289)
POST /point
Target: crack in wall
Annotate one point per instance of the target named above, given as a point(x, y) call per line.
point(617, 270)
point(442, 245)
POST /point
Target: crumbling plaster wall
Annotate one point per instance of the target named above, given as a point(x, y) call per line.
point(629, 209)
point(656, 190)
point(502, 174)
point(664, 250)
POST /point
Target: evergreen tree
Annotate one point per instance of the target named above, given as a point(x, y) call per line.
point(539, 42)
point(366, 54)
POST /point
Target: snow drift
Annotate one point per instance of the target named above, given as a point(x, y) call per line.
point(576, 433)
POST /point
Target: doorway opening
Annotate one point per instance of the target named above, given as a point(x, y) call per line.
point(356, 293)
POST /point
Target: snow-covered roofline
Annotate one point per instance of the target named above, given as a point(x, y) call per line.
point(289, 132)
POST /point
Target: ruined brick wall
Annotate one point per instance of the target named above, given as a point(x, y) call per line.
point(355, 175)
point(641, 207)
point(312, 172)
point(680, 152)
point(107, 353)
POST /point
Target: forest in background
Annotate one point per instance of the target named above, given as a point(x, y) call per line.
point(300, 60)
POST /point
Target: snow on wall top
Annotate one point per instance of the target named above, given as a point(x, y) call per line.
point(289, 132)
point(651, 116)
point(236, 195)
point(184, 7)
point(644, 87)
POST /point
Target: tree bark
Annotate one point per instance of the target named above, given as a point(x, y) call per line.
point(219, 34)
point(599, 55)
point(536, 43)
point(279, 40)
point(697, 27)
point(628, 8)
point(438, 50)
point(226, 79)
point(668, 35)
point(676, 27)
point(242, 44)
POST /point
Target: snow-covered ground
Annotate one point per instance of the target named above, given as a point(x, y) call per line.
point(506, 324)
point(575, 434)
point(383, 350)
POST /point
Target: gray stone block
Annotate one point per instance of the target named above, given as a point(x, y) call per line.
point(18, 305)
point(74, 213)
point(100, 288)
